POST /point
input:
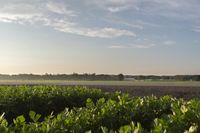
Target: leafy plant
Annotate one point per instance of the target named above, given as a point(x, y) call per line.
point(83, 110)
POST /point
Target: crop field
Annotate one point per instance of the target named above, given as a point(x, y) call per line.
point(178, 89)
point(100, 83)
point(99, 106)
point(60, 109)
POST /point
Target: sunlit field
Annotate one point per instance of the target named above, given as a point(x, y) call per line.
point(105, 83)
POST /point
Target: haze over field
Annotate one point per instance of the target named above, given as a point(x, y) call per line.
point(100, 36)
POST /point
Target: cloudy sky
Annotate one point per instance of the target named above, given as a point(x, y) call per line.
point(100, 36)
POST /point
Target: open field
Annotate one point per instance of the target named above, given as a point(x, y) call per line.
point(186, 90)
point(101, 83)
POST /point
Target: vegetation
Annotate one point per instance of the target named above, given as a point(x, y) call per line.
point(19, 100)
point(120, 77)
point(73, 76)
point(78, 109)
point(96, 77)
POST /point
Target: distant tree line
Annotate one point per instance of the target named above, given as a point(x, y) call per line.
point(73, 76)
point(76, 76)
point(175, 78)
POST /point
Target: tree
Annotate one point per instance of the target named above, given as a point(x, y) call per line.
point(120, 77)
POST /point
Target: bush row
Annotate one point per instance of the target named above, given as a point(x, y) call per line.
point(125, 115)
point(18, 100)
point(100, 112)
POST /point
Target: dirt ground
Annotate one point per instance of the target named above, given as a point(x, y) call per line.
point(184, 92)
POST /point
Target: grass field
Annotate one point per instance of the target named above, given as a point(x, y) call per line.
point(100, 83)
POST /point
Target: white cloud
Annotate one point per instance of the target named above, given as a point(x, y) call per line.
point(70, 17)
point(134, 46)
point(196, 29)
point(107, 32)
point(144, 23)
point(138, 26)
point(169, 42)
point(113, 5)
point(117, 47)
point(56, 15)
point(143, 46)
point(176, 9)
point(116, 9)
point(18, 18)
point(59, 8)
point(90, 32)
point(166, 8)
point(119, 21)
point(18, 13)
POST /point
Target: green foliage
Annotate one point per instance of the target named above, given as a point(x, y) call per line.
point(101, 112)
point(120, 77)
point(19, 100)
point(35, 117)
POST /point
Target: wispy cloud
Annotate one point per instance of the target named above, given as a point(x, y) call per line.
point(143, 46)
point(169, 42)
point(90, 32)
point(113, 6)
point(134, 46)
point(56, 15)
point(18, 13)
point(196, 29)
point(103, 18)
point(166, 8)
point(119, 21)
point(59, 8)
point(117, 47)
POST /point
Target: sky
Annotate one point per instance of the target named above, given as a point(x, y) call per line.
point(159, 37)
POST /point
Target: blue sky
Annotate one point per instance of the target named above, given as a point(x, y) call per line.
point(100, 36)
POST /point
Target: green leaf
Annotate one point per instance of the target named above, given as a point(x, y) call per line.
point(104, 130)
point(125, 129)
point(35, 117)
point(32, 114)
point(21, 118)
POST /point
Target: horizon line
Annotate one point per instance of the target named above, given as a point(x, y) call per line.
point(41, 74)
